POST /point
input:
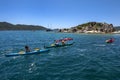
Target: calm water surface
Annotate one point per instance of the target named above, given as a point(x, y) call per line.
point(90, 58)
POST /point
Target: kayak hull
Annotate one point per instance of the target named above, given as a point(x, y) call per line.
point(27, 53)
point(107, 41)
point(56, 46)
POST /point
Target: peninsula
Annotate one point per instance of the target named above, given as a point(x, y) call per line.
point(9, 26)
point(92, 27)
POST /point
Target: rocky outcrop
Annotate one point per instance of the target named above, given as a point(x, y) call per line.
point(91, 27)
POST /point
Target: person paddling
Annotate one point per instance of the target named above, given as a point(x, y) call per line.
point(56, 43)
point(111, 40)
point(27, 49)
point(63, 42)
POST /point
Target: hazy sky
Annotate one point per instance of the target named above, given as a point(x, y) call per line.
point(59, 13)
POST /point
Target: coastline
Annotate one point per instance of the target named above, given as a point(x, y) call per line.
point(92, 32)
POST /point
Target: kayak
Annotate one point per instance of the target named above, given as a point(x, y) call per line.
point(27, 53)
point(55, 46)
point(111, 40)
point(108, 41)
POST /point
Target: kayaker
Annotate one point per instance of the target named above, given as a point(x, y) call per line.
point(27, 49)
point(110, 40)
point(56, 43)
point(63, 42)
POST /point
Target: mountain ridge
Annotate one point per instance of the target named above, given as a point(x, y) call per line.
point(9, 26)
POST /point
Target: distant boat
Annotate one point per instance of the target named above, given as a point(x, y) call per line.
point(111, 40)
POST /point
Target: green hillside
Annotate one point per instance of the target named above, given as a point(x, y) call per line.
point(9, 26)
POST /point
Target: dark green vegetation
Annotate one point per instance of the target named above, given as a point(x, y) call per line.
point(117, 28)
point(9, 26)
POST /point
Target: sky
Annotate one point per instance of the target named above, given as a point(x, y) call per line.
point(59, 13)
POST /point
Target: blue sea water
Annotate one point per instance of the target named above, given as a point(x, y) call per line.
point(90, 58)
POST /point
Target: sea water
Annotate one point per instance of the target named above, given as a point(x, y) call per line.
point(89, 58)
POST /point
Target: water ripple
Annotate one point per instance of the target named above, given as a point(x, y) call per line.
point(90, 58)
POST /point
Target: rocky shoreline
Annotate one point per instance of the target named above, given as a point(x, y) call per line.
point(92, 27)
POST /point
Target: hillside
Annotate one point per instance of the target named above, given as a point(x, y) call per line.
point(9, 26)
point(117, 28)
point(93, 27)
